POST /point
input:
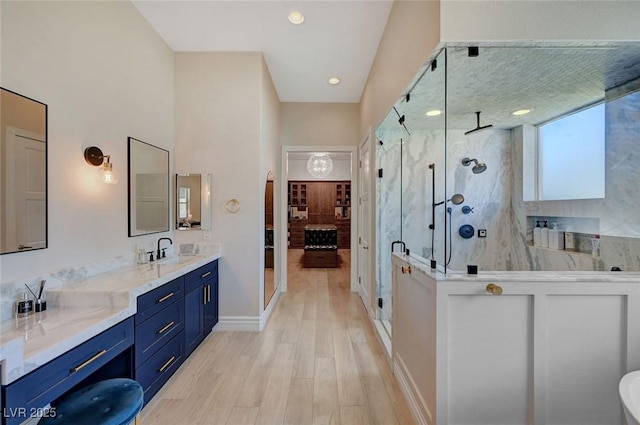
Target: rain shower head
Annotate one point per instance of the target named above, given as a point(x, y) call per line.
point(478, 127)
point(480, 167)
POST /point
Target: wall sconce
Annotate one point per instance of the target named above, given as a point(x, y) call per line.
point(94, 156)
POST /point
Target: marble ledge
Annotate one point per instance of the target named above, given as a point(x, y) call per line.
point(81, 310)
point(420, 266)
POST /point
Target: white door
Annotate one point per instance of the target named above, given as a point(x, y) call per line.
point(26, 189)
point(363, 227)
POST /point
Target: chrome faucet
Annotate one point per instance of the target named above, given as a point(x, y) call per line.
point(158, 251)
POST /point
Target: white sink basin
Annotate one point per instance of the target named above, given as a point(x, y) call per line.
point(630, 394)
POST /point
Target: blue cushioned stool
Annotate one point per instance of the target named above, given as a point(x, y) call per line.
point(112, 402)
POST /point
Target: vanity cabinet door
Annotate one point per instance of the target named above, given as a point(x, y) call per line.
point(193, 321)
point(200, 304)
point(211, 305)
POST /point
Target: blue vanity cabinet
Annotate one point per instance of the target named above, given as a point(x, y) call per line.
point(159, 336)
point(201, 304)
point(25, 397)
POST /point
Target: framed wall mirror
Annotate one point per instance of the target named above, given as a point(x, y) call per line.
point(148, 188)
point(23, 171)
point(269, 244)
point(193, 202)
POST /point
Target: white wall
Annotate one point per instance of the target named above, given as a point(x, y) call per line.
point(105, 75)
point(539, 20)
point(411, 34)
point(218, 113)
point(319, 124)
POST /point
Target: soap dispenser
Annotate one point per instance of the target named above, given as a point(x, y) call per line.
point(536, 234)
point(544, 236)
point(556, 237)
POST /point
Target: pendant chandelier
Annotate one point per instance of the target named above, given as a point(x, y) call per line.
point(320, 165)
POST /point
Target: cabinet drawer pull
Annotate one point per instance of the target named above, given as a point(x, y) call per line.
point(167, 326)
point(167, 364)
point(166, 297)
point(208, 293)
point(205, 275)
point(204, 295)
point(86, 362)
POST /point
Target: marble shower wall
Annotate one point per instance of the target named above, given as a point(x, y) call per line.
point(422, 149)
point(618, 214)
point(488, 193)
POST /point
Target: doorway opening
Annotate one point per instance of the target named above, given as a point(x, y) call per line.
point(318, 210)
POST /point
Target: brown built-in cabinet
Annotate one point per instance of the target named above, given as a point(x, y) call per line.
point(319, 202)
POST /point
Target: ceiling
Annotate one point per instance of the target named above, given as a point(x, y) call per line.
point(550, 80)
point(337, 39)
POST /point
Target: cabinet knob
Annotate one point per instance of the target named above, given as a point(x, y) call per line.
point(406, 270)
point(494, 289)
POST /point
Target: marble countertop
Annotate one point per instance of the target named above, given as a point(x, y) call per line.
point(80, 310)
point(421, 265)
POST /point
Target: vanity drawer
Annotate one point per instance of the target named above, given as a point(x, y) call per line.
point(200, 275)
point(155, 332)
point(154, 301)
point(153, 373)
point(53, 379)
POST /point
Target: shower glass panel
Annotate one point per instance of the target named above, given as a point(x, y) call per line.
point(410, 152)
point(390, 139)
point(423, 162)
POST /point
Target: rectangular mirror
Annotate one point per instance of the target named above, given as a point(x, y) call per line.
point(148, 188)
point(193, 195)
point(23, 171)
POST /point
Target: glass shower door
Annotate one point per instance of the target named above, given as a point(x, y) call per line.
point(388, 211)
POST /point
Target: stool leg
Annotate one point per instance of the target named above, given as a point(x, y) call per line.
point(136, 421)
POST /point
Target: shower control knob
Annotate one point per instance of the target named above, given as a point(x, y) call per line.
point(467, 209)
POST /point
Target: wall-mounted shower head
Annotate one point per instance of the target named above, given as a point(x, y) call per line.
point(480, 167)
point(456, 199)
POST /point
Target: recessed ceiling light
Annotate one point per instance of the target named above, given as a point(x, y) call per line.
point(334, 80)
point(296, 17)
point(521, 112)
point(433, 113)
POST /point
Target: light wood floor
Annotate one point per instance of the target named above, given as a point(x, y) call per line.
point(316, 362)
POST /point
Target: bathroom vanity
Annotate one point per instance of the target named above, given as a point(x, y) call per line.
point(139, 322)
point(513, 347)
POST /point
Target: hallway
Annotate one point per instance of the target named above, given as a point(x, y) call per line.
point(316, 362)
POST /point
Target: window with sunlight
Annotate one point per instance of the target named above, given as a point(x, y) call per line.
point(571, 156)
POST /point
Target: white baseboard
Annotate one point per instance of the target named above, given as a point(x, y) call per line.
point(416, 404)
point(237, 324)
point(267, 313)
